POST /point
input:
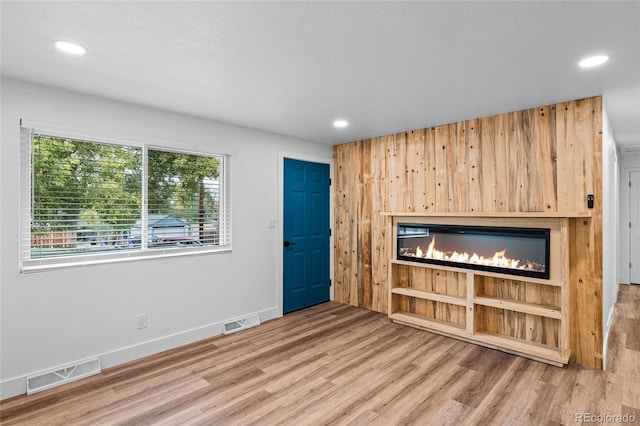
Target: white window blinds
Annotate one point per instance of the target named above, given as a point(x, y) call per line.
point(86, 201)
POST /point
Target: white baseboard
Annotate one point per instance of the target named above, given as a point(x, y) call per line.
point(18, 385)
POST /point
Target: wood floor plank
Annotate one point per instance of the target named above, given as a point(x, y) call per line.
point(341, 365)
point(417, 406)
point(495, 406)
point(632, 330)
point(489, 367)
point(277, 410)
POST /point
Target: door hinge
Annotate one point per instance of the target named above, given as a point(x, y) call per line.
point(329, 181)
point(629, 265)
point(330, 283)
point(629, 184)
point(629, 224)
point(329, 231)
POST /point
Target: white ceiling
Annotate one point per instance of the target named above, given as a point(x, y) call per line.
point(294, 67)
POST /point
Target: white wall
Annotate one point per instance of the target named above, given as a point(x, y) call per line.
point(56, 317)
point(628, 162)
point(610, 217)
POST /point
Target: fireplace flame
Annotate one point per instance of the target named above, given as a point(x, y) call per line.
point(499, 259)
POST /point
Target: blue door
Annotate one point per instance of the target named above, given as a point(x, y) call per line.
point(306, 234)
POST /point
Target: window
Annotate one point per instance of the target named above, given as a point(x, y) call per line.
point(88, 201)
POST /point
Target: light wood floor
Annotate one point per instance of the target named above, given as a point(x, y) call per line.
point(337, 364)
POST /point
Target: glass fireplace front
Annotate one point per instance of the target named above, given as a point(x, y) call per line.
point(515, 251)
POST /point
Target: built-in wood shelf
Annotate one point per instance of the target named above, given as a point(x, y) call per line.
point(409, 318)
point(522, 315)
point(557, 283)
point(533, 350)
point(527, 308)
point(428, 295)
point(491, 214)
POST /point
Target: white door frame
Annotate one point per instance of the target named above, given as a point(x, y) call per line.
point(624, 231)
point(279, 237)
point(628, 213)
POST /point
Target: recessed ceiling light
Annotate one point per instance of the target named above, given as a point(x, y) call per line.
point(340, 123)
point(72, 48)
point(593, 61)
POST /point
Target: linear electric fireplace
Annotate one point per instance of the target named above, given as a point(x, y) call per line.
point(515, 251)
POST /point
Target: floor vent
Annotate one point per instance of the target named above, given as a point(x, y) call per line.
point(62, 375)
point(240, 324)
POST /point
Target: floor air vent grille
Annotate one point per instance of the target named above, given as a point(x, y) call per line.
point(61, 375)
point(240, 324)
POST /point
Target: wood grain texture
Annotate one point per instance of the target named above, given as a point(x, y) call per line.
point(338, 364)
point(544, 159)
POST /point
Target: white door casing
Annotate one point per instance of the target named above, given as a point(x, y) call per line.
point(634, 225)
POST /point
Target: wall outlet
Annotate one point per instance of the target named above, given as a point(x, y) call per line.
point(142, 321)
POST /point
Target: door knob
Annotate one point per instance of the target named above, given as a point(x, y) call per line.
point(288, 243)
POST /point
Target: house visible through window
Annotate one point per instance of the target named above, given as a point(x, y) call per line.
point(86, 200)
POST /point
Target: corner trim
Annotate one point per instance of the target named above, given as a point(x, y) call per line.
point(605, 344)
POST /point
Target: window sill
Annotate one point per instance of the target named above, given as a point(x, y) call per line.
point(49, 264)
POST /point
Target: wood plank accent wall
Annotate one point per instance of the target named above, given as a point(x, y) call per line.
point(544, 159)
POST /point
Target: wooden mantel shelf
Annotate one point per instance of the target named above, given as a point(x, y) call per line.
point(493, 214)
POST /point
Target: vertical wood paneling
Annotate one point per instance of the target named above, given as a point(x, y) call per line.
point(502, 152)
point(420, 283)
point(340, 239)
point(379, 224)
point(418, 169)
point(533, 192)
point(365, 196)
point(519, 162)
point(567, 163)
point(443, 139)
point(456, 169)
point(541, 159)
point(430, 173)
point(487, 168)
point(396, 165)
point(474, 166)
point(345, 204)
point(411, 162)
point(597, 228)
point(544, 127)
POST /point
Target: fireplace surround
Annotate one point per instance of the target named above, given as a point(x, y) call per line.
point(511, 250)
point(453, 290)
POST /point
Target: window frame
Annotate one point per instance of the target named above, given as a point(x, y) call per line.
point(28, 265)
